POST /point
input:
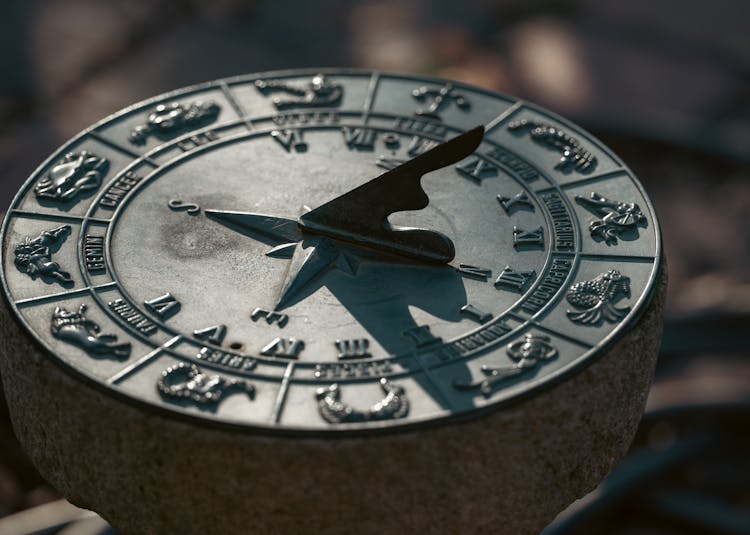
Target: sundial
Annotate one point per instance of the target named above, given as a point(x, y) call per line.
point(289, 259)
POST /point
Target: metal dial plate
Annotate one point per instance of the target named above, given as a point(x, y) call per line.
point(130, 257)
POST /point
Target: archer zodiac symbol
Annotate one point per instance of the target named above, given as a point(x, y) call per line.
point(75, 173)
point(596, 297)
point(320, 91)
point(574, 156)
point(443, 96)
point(187, 381)
point(527, 353)
point(167, 120)
point(34, 256)
point(75, 328)
point(393, 406)
point(615, 217)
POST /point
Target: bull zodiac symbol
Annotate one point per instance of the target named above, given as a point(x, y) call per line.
point(34, 256)
point(75, 328)
point(393, 406)
point(167, 120)
point(615, 217)
point(75, 173)
point(596, 296)
point(574, 156)
point(320, 91)
point(527, 353)
point(187, 381)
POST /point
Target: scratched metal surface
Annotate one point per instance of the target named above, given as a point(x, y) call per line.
point(675, 108)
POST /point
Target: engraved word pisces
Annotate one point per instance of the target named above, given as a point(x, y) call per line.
point(169, 119)
point(76, 172)
point(193, 384)
point(393, 406)
point(34, 256)
point(596, 297)
point(573, 153)
point(75, 328)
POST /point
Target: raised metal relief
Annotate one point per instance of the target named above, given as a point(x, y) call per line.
point(319, 92)
point(168, 120)
point(393, 406)
point(75, 173)
point(574, 156)
point(527, 353)
point(34, 255)
point(616, 217)
point(187, 381)
point(75, 328)
point(597, 297)
point(437, 98)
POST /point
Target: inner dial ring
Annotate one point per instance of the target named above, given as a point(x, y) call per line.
point(182, 231)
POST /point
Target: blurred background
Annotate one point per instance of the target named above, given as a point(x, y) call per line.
point(666, 83)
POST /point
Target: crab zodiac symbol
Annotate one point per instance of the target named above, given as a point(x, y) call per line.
point(596, 296)
point(75, 328)
point(34, 256)
point(197, 386)
point(320, 91)
point(393, 406)
point(169, 119)
point(77, 172)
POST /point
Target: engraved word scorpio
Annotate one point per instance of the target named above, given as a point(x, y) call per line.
point(170, 119)
point(75, 328)
point(76, 172)
point(34, 256)
point(197, 386)
point(393, 406)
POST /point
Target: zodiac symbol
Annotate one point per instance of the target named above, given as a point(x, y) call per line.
point(34, 256)
point(444, 95)
point(76, 172)
point(573, 154)
point(197, 386)
point(616, 217)
point(527, 352)
point(320, 91)
point(393, 406)
point(595, 296)
point(75, 328)
point(167, 120)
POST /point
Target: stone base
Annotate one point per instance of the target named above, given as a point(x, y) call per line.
point(510, 471)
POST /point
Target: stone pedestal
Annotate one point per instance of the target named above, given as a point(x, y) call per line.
point(510, 471)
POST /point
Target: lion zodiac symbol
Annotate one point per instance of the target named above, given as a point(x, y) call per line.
point(320, 91)
point(75, 328)
point(77, 172)
point(34, 256)
point(169, 119)
point(393, 406)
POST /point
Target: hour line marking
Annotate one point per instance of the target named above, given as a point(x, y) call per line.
point(61, 295)
point(616, 257)
point(370, 98)
point(238, 109)
point(581, 181)
point(128, 370)
point(497, 121)
point(113, 144)
point(560, 335)
point(281, 397)
point(53, 217)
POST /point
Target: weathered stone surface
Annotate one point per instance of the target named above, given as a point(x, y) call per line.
point(509, 472)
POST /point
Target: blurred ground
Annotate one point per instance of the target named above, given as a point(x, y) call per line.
point(666, 83)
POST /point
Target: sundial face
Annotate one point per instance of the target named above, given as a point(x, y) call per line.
point(208, 252)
